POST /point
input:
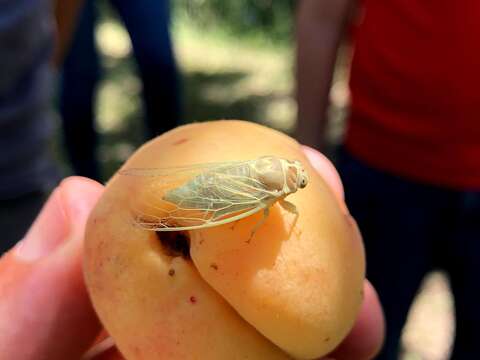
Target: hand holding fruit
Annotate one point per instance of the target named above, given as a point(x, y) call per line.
point(44, 307)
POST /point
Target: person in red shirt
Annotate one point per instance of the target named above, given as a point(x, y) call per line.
point(410, 160)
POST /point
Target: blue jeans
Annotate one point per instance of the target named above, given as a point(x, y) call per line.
point(147, 22)
point(409, 229)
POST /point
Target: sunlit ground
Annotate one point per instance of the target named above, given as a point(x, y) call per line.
point(232, 79)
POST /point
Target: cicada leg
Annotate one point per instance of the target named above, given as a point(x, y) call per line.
point(266, 211)
point(233, 225)
point(291, 208)
point(287, 205)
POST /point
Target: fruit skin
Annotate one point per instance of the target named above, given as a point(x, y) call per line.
point(289, 290)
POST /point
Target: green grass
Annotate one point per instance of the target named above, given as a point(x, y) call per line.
point(235, 79)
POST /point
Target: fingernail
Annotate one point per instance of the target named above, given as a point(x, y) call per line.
point(99, 348)
point(53, 225)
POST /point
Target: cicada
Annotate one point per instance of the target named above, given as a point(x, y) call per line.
point(212, 194)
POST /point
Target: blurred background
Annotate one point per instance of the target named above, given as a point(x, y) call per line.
point(236, 61)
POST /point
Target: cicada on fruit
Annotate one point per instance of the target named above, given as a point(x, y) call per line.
point(206, 195)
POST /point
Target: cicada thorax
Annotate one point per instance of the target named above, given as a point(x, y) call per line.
point(269, 171)
point(291, 178)
point(277, 174)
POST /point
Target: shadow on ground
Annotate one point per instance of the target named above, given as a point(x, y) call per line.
point(212, 96)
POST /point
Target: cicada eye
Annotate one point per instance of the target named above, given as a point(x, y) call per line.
point(303, 179)
point(303, 183)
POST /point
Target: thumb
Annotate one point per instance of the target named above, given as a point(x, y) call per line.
point(45, 312)
point(328, 172)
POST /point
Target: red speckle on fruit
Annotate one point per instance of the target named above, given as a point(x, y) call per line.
point(180, 141)
point(193, 299)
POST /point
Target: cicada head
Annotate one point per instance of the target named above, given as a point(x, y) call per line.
point(296, 176)
point(302, 175)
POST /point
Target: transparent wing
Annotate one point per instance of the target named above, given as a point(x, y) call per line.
point(195, 197)
point(177, 173)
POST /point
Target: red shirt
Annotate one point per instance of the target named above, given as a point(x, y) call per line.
point(415, 84)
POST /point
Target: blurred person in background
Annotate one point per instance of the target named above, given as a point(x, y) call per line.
point(410, 160)
point(27, 169)
point(147, 22)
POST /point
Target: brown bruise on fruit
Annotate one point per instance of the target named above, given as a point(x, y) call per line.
point(175, 243)
point(180, 141)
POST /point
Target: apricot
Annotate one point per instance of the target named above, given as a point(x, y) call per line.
point(292, 290)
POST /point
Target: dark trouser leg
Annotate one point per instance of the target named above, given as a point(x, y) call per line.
point(77, 88)
point(147, 22)
point(463, 265)
point(16, 216)
point(397, 219)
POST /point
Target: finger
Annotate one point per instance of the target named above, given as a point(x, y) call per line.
point(103, 350)
point(109, 354)
point(328, 172)
point(366, 337)
point(45, 312)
